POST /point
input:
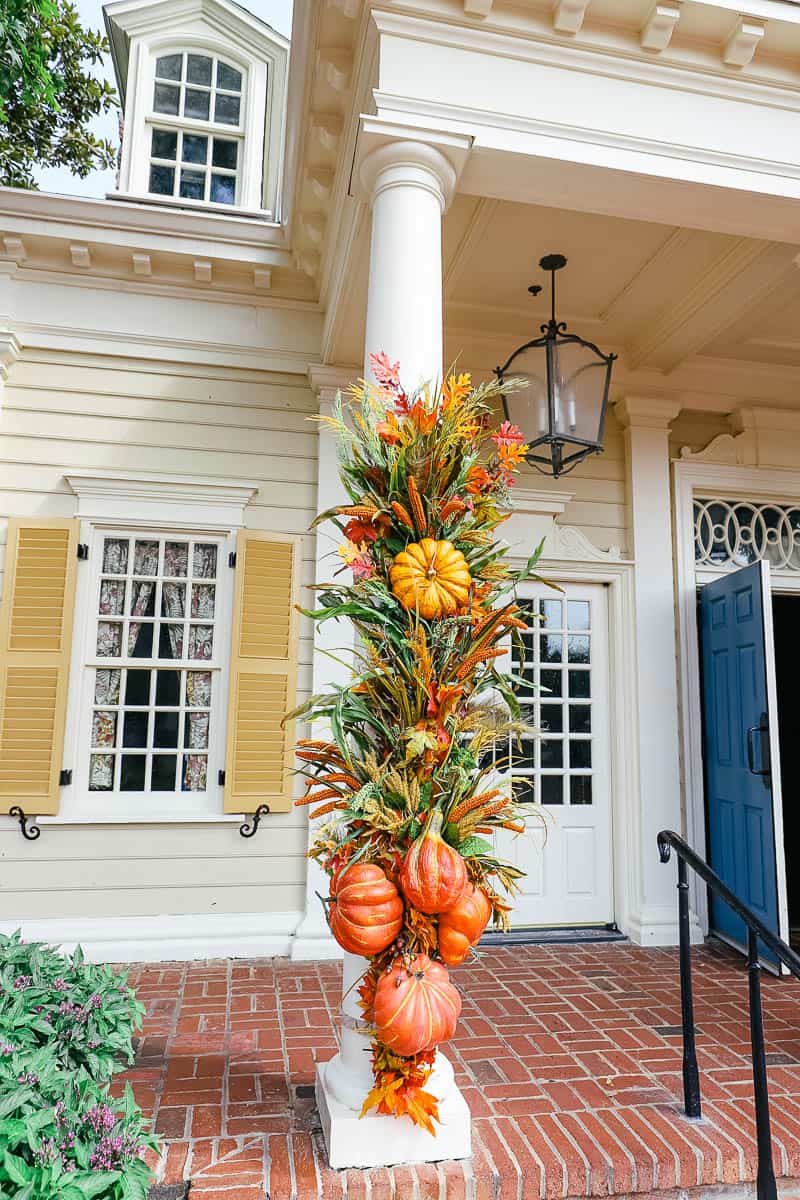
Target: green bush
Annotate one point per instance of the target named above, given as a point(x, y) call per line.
point(65, 1027)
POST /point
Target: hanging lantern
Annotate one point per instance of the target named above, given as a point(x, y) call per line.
point(562, 410)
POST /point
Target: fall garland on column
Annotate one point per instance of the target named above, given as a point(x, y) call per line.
point(409, 778)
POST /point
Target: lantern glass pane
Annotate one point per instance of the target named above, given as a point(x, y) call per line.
point(527, 406)
point(579, 382)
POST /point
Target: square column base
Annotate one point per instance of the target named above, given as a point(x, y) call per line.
point(380, 1141)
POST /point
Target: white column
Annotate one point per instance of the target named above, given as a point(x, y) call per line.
point(652, 919)
point(408, 185)
point(312, 938)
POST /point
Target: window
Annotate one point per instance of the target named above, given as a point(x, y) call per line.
point(154, 698)
point(733, 533)
point(555, 767)
point(197, 107)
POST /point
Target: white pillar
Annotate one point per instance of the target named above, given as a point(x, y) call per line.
point(312, 938)
point(652, 920)
point(409, 185)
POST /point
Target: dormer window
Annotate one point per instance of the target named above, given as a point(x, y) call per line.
point(191, 91)
point(203, 84)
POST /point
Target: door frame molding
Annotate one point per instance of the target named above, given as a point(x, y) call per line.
point(728, 481)
point(626, 809)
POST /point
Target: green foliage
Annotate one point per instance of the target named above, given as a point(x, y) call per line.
point(48, 95)
point(65, 1027)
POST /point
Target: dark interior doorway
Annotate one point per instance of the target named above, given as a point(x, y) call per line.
point(786, 622)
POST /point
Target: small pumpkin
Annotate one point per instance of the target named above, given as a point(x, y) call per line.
point(461, 927)
point(366, 909)
point(416, 1006)
point(431, 577)
point(433, 875)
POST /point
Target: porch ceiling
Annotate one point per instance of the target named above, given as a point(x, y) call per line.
point(672, 302)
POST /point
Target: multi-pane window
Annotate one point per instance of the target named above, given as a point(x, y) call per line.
point(555, 667)
point(186, 161)
point(154, 664)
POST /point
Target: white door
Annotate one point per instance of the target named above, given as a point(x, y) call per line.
point(562, 775)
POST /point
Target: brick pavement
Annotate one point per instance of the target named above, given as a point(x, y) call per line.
point(568, 1056)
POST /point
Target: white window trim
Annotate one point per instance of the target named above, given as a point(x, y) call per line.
point(116, 501)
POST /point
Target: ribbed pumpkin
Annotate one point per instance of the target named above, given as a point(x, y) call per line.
point(461, 927)
point(433, 875)
point(431, 577)
point(366, 910)
point(416, 1006)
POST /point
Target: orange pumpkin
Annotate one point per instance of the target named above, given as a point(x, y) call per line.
point(461, 927)
point(366, 909)
point(431, 577)
point(416, 1006)
point(433, 875)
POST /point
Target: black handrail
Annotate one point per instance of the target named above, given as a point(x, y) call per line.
point(668, 841)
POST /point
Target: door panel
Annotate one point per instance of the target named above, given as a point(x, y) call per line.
point(743, 789)
point(563, 774)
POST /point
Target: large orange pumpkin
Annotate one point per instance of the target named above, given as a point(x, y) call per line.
point(416, 1006)
point(366, 910)
point(431, 577)
point(461, 927)
point(433, 875)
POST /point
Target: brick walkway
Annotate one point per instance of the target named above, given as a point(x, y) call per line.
point(568, 1057)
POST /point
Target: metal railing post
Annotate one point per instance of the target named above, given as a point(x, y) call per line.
point(765, 1181)
point(691, 1074)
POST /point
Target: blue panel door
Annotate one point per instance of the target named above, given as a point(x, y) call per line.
point(742, 767)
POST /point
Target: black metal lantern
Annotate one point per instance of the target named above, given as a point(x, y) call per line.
point(562, 410)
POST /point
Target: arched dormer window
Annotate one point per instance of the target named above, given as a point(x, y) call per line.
point(196, 128)
point(203, 84)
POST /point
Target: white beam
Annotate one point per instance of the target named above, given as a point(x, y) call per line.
point(743, 42)
point(737, 283)
point(659, 27)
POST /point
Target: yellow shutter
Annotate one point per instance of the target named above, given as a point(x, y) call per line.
point(35, 643)
point(258, 765)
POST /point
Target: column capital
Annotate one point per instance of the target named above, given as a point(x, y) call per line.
point(647, 412)
point(327, 380)
point(392, 153)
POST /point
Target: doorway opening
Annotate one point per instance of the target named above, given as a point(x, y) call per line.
point(785, 620)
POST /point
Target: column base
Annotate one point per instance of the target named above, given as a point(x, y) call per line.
point(379, 1141)
point(313, 943)
point(657, 925)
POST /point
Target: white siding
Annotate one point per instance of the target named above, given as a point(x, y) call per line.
point(597, 486)
point(67, 412)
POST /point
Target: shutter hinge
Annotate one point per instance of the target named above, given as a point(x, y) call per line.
point(28, 827)
point(249, 830)
point(232, 559)
point(83, 550)
point(65, 778)
point(220, 777)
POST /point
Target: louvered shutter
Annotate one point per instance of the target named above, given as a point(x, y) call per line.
point(35, 643)
point(263, 672)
